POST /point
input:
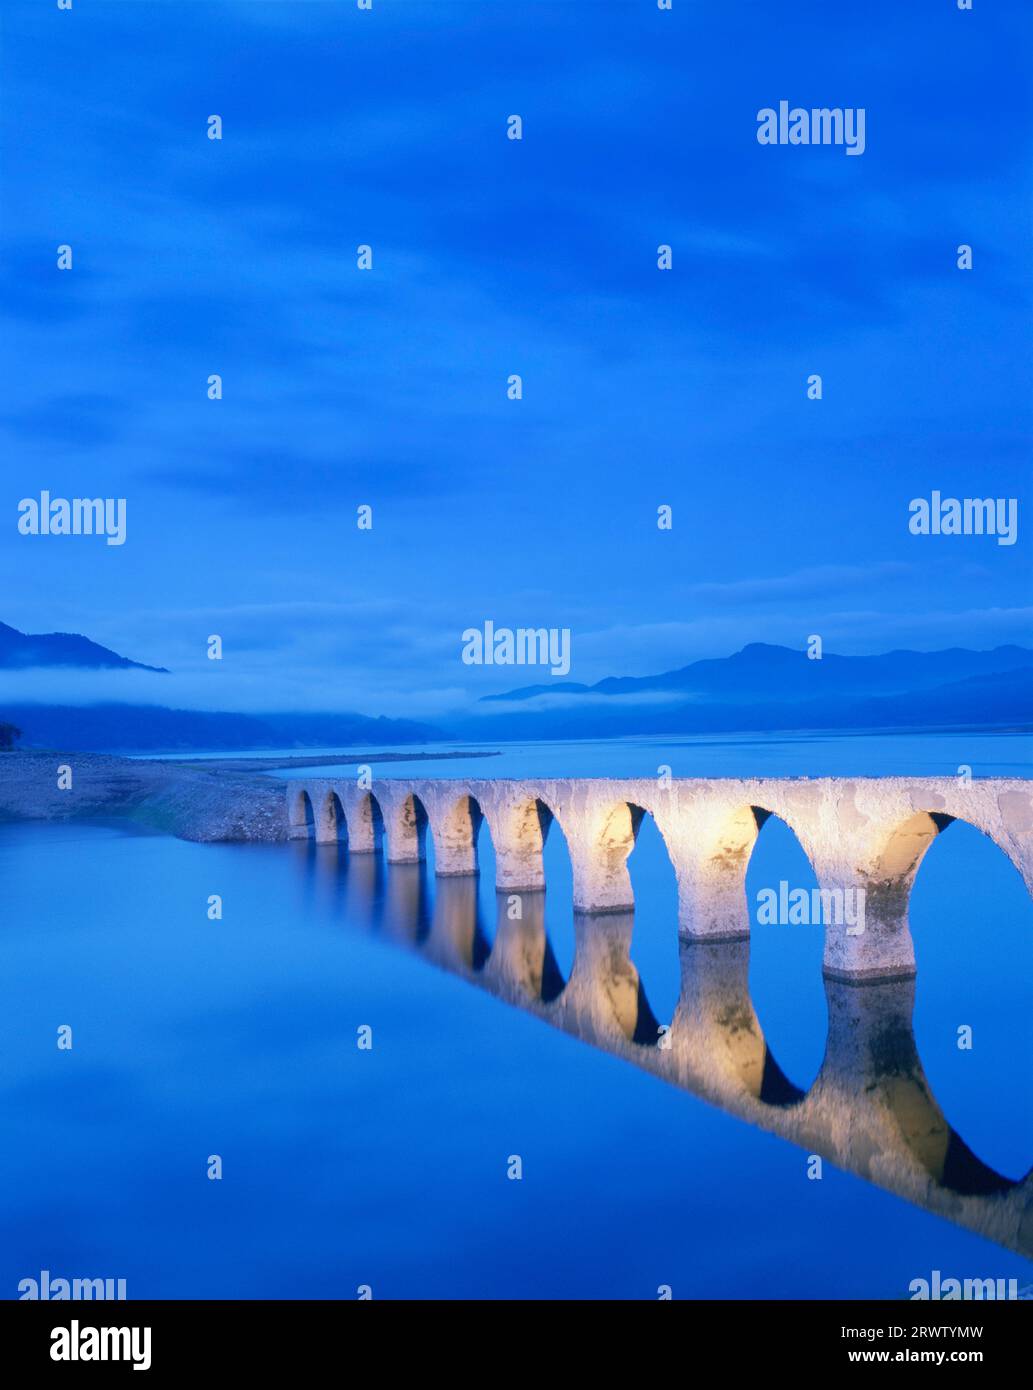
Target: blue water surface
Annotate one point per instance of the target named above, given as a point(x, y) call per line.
point(387, 1167)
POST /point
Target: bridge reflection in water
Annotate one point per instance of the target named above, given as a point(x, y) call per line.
point(870, 1110)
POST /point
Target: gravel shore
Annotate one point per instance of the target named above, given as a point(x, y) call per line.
point(218, 799)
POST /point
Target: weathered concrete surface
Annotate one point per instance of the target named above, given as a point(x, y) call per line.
point(859, 833)
point(870, 1111)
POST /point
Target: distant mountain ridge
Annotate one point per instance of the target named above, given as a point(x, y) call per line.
point(764, 671)
point(765, 688)
point(762, 688)
point(20, 651)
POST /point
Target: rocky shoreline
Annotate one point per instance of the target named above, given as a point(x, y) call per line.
point(213, 800)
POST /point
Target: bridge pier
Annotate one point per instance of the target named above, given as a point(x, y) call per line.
point(599, 839)
point(866, 868)
point(454, 824)
point(600, 885)
point(871, 941)
point(712, 901)
point(331, 825)
point(518, 827)
point(405, 826)
point(364, 822)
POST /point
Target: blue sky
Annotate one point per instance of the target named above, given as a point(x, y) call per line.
point(493, 256)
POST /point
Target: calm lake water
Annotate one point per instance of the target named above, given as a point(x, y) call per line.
point(388, 1167)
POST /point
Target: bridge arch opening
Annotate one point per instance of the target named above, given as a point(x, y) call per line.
point(654, 938)
point(486, 921)
point(787, 920)
point(971, 922)
point(560, 938)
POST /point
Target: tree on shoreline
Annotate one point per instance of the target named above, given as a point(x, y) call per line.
point(8, 735)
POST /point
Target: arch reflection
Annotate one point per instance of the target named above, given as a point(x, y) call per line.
point(870, 1110)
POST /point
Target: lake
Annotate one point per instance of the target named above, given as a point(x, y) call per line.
point(345, 1166)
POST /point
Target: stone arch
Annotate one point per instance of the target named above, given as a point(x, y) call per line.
point(533, 819)
point(601, 879)
point(548, 816)
point(886, 871)
point(734, 843)
point(366, 825)
point(331, 822)
point(519, 833)
point(712, 890)
point(455, 831)
point(904, 847)
point(618, 831)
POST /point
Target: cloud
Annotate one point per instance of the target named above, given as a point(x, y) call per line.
point(807, 583)
point(560, 700)
point(494, 257)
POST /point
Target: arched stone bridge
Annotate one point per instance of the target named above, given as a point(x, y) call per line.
point(859, 833)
